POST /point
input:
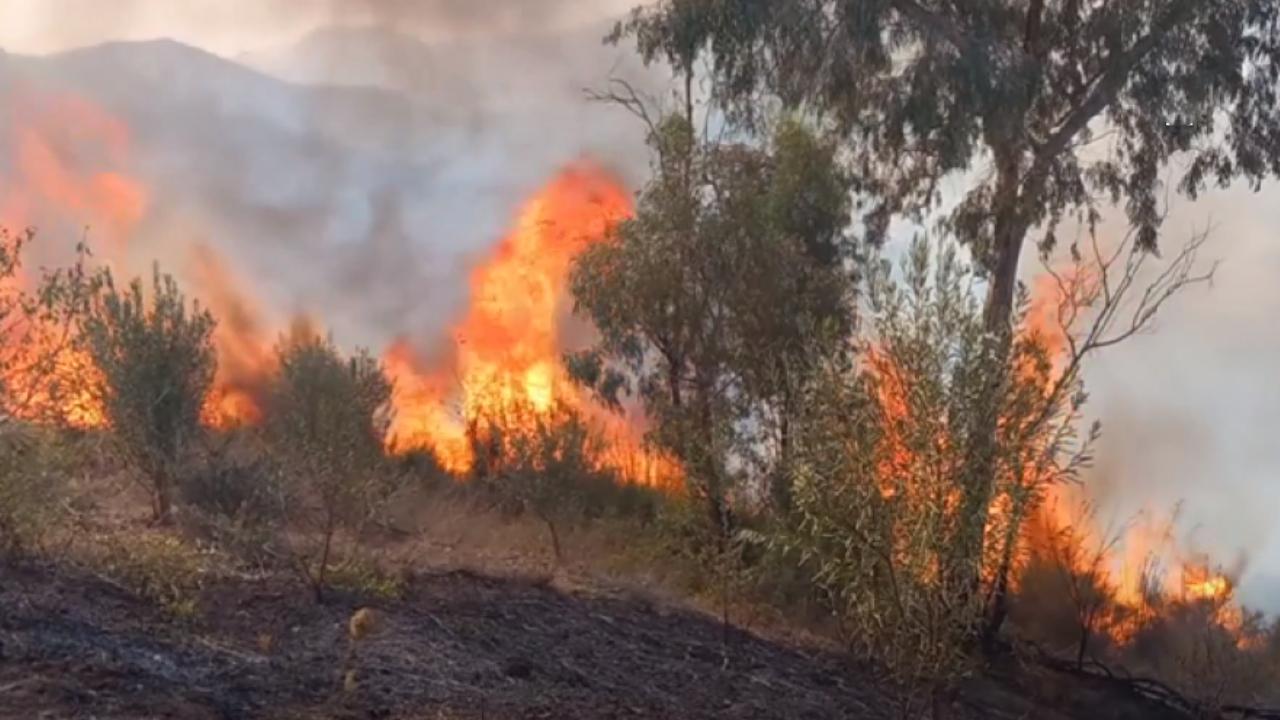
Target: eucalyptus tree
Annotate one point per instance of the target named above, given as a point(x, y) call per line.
point(1056, 108)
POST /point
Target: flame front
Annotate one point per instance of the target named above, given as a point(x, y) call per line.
point(508, 346)
point(66, 160)
point(241, 339)
point(1145, 558)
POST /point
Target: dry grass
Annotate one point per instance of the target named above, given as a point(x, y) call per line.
point(447, 530)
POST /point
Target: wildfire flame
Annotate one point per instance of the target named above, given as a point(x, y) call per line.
point(1144, 552)
point(68, 157)
point(66, 160)
point(509, 344)
point(241, 340)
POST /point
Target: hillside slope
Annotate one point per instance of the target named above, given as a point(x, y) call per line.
point(459, 645)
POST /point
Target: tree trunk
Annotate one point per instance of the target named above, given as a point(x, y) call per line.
point(998, 609)
point(1009, 236)
point(1084, 645)
point(555, 540)
point(710, 464)
point(318, 584)
point(161, 502)
point(980, 467)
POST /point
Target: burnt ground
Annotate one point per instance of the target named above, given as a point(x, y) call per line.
point(459, 645)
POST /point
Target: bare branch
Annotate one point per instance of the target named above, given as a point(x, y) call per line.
point(621, 92)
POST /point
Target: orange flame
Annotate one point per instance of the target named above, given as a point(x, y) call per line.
point(241, 341)
point(68, 156)
point(508, 346)
point(67, 160)
point(1144, 559)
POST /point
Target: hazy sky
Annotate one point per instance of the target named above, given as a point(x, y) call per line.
point(229, 27)
point(1190, 412)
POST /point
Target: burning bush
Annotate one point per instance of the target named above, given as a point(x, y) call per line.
point(156, 363)
point(36, 327)
point(1066, 598)
point(883, 474)
point(41, 373)
point(877, 476)
point(327, 426)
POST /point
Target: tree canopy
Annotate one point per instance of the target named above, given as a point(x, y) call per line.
point(1015, 90)
point(156, 363)
point(736, 257)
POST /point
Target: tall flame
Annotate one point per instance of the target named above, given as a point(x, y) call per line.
point(241, 340)
point(1144, 552)
point(67, 159)
point(509, 344)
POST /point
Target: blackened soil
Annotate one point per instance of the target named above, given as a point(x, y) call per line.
point(459, 646)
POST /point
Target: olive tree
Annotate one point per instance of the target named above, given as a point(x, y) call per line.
point(154, 362)
point(544, 462)
point(326, 421)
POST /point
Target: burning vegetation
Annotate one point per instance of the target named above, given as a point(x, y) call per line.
point(722, 370)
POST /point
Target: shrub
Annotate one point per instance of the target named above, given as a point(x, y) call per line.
point(548, 464)
point(233, 499)
point(423, 467)
point(155, 566)
point(364, 577)
point(157, 363)
point(877, 466)
point(33, 468)
point(1066, 597)
point(1189, 646)
point(327, 426)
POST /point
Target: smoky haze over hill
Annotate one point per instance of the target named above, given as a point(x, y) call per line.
point(355, 174)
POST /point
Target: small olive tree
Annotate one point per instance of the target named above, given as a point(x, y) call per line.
point(546, 463)
point(36, 324)
point(40, 373)
point(327, 423)
point(155, 363)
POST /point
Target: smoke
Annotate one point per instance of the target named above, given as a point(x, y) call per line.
point(354, 170)
point(228, 28)
point(1187, 409)
point(351, 159)
point(453, 18)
